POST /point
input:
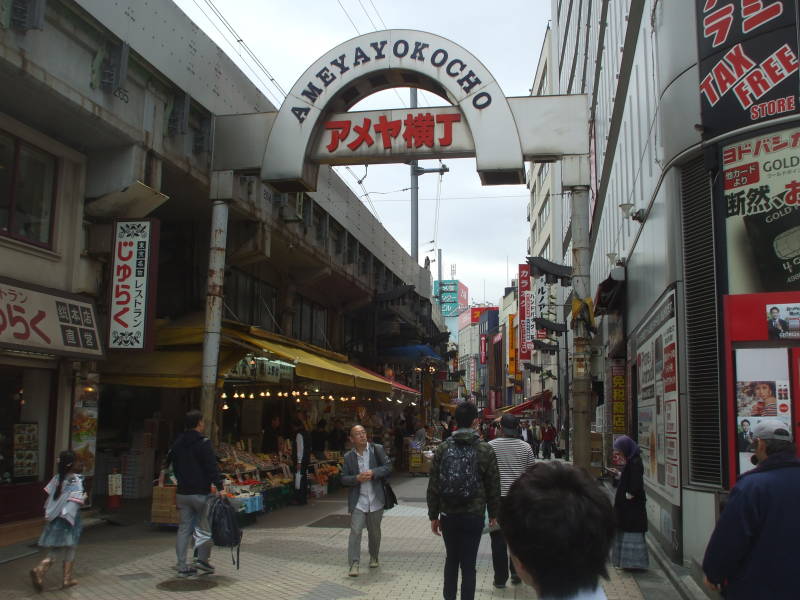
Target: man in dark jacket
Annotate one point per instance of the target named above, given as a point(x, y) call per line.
point(464, 483)
point(195, 464)
point(366, 468)
point(752, 552)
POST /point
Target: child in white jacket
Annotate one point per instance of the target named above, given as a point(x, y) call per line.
point(65, 496)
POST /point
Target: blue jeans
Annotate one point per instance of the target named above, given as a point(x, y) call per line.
point(462, 536)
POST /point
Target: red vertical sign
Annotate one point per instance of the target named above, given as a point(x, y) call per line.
point(483, 349)
point(524, 288)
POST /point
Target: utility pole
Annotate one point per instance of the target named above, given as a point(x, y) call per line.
point(439, 268)
point(221, 192)
point(581, 374)
point(416, 171)
point(414, 196)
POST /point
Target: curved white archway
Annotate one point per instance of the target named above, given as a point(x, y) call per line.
point(381, 60)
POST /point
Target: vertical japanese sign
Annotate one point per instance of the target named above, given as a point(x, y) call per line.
point(133, 285)
point(619, 405)
point(658, 410)
point(525, 299)
point(38, 319)
point(748, 62)
point(483, 348)
point(761, 187)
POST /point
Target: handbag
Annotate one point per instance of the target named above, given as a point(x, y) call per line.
point(390, 500)
point(389, 497)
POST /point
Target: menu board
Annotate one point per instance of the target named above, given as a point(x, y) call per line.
point(26, 450)
point(84, 427)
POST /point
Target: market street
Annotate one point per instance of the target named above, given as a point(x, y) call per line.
point(285, 556)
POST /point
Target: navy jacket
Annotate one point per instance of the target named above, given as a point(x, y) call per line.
point(753, 550)
point(631, 514)
point(195, 463)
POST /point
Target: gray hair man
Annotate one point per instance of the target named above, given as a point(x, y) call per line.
point(365, 469)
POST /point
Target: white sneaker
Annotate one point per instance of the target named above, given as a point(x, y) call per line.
point(354, 569)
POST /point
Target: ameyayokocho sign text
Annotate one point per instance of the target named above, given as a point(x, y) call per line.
point(42, 320)
point(748, 62)
point(133, 281)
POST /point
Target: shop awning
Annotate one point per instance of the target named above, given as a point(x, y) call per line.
point(163, 368)
point(311, 365)
point(411, 353)
point(541, 401)
point(396, 385)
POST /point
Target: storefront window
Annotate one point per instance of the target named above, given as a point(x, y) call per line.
point(27, 191)
point(24, 412)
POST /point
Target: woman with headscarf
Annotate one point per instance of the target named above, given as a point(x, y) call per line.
point(630, 549)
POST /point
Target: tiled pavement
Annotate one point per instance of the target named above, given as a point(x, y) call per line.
point(281, 558)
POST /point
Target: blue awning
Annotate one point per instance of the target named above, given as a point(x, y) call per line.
point(411, 353)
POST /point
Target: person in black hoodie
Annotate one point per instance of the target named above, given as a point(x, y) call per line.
point(630, 548)
point(195, 464)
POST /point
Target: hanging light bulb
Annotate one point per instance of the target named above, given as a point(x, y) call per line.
point(305, 393)
point(225, 406)
point(252, 395)
point(399, 401)
point(268, 394)
point(262, 394)
point(352, 397)
point(413, 404)
point(235, 394)
point(224, 395)
point(298, 400)
point(330, 397)
point(316, 390)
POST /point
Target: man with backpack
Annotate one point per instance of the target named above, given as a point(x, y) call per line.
point(195, 465)
point(464, 483)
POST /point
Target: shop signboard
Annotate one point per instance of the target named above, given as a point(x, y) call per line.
point(656, 343)
point(618, 395)
point(133, 285)
point(525, 315)
point(748, 62)
point(395, 135)
point(26, 450)
point(37, 319)
point(483, 351)
point(761, 190)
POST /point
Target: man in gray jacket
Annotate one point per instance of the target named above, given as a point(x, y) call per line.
point(365, 469)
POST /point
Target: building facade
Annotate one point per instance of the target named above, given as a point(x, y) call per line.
point(105, 126)
point(694, 118)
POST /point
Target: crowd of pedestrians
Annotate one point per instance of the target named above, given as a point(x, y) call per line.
point(551, 525)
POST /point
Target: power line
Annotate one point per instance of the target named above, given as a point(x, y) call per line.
point(265, 87)
point(247, 49)
point(379, 15)
point(360, 183)
point(348, 16)
point(371, 22)
point(518, 197)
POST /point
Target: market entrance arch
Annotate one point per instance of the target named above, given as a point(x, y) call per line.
point(501, 133)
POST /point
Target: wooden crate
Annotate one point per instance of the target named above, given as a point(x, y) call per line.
point(163, 509)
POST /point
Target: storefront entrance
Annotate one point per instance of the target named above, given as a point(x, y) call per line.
point(27, 410)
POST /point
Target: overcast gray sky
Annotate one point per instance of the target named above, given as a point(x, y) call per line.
point(482, 230)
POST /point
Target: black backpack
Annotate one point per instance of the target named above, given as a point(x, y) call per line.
point(459, 477)
point(225, 530)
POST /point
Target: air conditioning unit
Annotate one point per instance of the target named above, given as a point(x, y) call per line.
point(292, 210)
